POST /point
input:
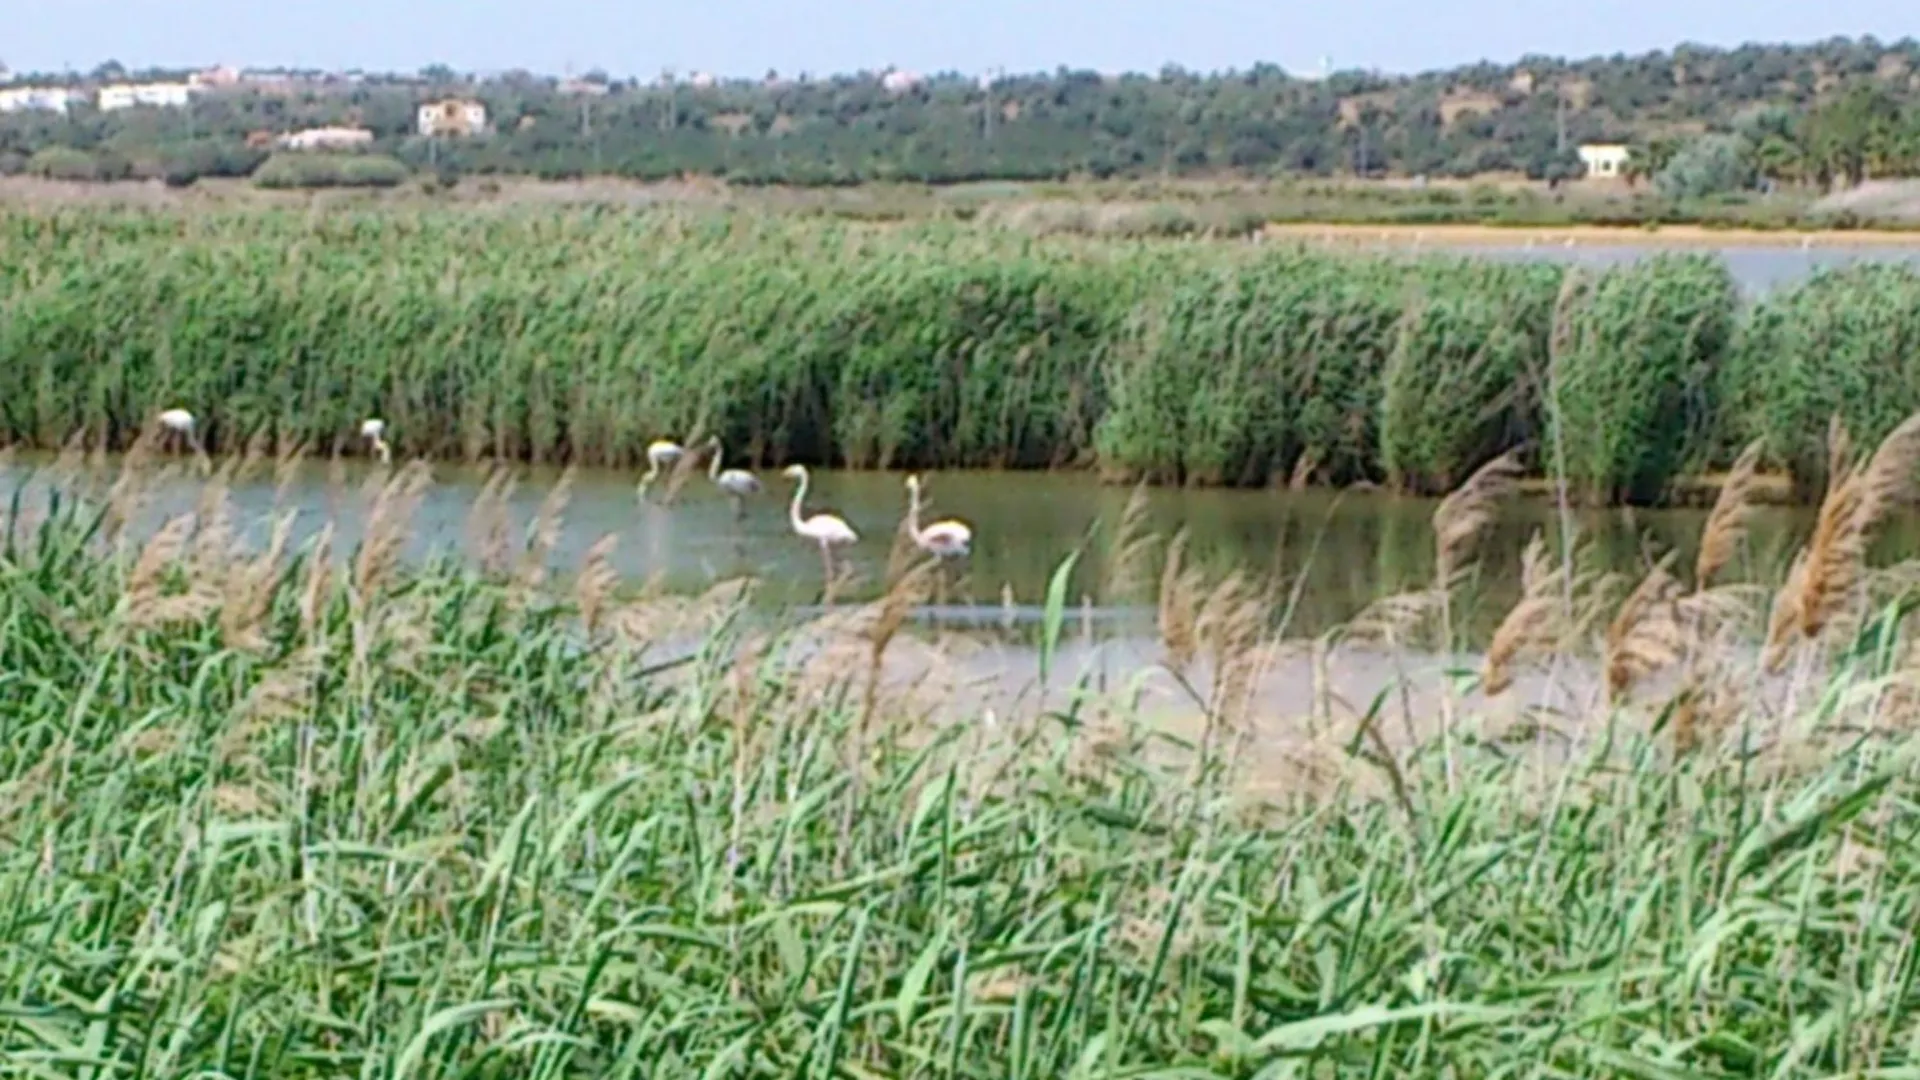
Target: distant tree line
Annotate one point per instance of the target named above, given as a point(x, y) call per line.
point(1834, 112)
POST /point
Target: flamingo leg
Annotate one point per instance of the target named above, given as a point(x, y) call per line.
point(826, 575)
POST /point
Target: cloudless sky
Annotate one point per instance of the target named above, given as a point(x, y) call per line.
point(747, 37)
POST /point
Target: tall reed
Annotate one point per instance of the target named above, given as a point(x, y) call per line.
point(581, 335)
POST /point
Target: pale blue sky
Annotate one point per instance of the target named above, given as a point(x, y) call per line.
point(746, 37)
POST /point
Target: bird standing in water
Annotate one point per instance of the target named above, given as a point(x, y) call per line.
point(375, 431)
point(827, 530)
point(947, 538)
point(181, 422)
point(661, 453)
point(737, 483)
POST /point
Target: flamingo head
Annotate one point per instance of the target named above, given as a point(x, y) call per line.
point(913, 481)
point(794, 472)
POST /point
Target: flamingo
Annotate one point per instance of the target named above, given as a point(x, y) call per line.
point(181, 422)
point(947, 538)
point(827, 530)
point(660, 454)
point(737, 483)
point(374, 430)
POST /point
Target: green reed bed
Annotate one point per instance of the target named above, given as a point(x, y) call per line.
point(258, 822)
point(1846, 343)
point(583, 334)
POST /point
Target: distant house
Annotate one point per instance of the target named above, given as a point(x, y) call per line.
point(899, 82)
point(327, 138)
point(218, 77)
point(453, 116)
point(584, 88)
point(157, 95)
point(1604, 161)
point(38, 98)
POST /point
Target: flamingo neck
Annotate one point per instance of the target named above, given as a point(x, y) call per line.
point(713, 467)
point(386, 452)
point(799, 495)
point(913, 509)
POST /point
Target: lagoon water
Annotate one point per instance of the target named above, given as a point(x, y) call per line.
point(1324, 554)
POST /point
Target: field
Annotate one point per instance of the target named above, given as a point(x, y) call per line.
point(583, 334)
point(278, 812)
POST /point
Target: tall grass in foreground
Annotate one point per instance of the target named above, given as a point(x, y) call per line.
point(583, 334)
point(298, 813)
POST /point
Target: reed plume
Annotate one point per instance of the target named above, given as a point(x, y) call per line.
point(1728, 520)
point(388, 523)
point(531, 572)
point(148, 599)
point(1132, 549)
point(250, 590)
point(1827, 572)
point(597, 582)
point(1178, 605)
point(1463, 516)
point(1647, 633)
point(1536, 623)
point(319, 579)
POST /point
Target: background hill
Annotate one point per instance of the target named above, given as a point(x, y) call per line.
point(1843, 111)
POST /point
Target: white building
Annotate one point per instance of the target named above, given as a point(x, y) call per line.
point(452, 117)
point(43, 98)
point(157, 95)
point(899, 82)
point(328, 138)
point(1604, 161)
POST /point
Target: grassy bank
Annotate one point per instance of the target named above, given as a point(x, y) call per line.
point(267, 813)
point(584, 334)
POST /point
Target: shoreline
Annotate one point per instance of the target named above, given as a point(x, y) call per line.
point(1699, 236)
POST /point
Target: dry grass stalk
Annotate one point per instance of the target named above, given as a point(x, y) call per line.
point(388, 524)
point(249, 598)
point(531, 572)
point(1179, 605)
point(288, 464)
point(315, 589)
point(886, 616)
point(147, 600)
point(1647, 634)
point(1463, 516)
point(1727, 523)
point(1827, 574)
point(1707, 705)
point(213, 541)
point(1231, 628)
point(1392, 620)
point(1537, 623)
point(597, 582)
point(71, 463)
point(1132, 549)
point(1303, 469)
point(489, 523)
point(128, 491)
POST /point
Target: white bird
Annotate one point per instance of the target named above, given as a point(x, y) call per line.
point(374, 431)
point(827, 530)
point(947, 538)
point(181, 422)
point(660, 454)
point(737, 483)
